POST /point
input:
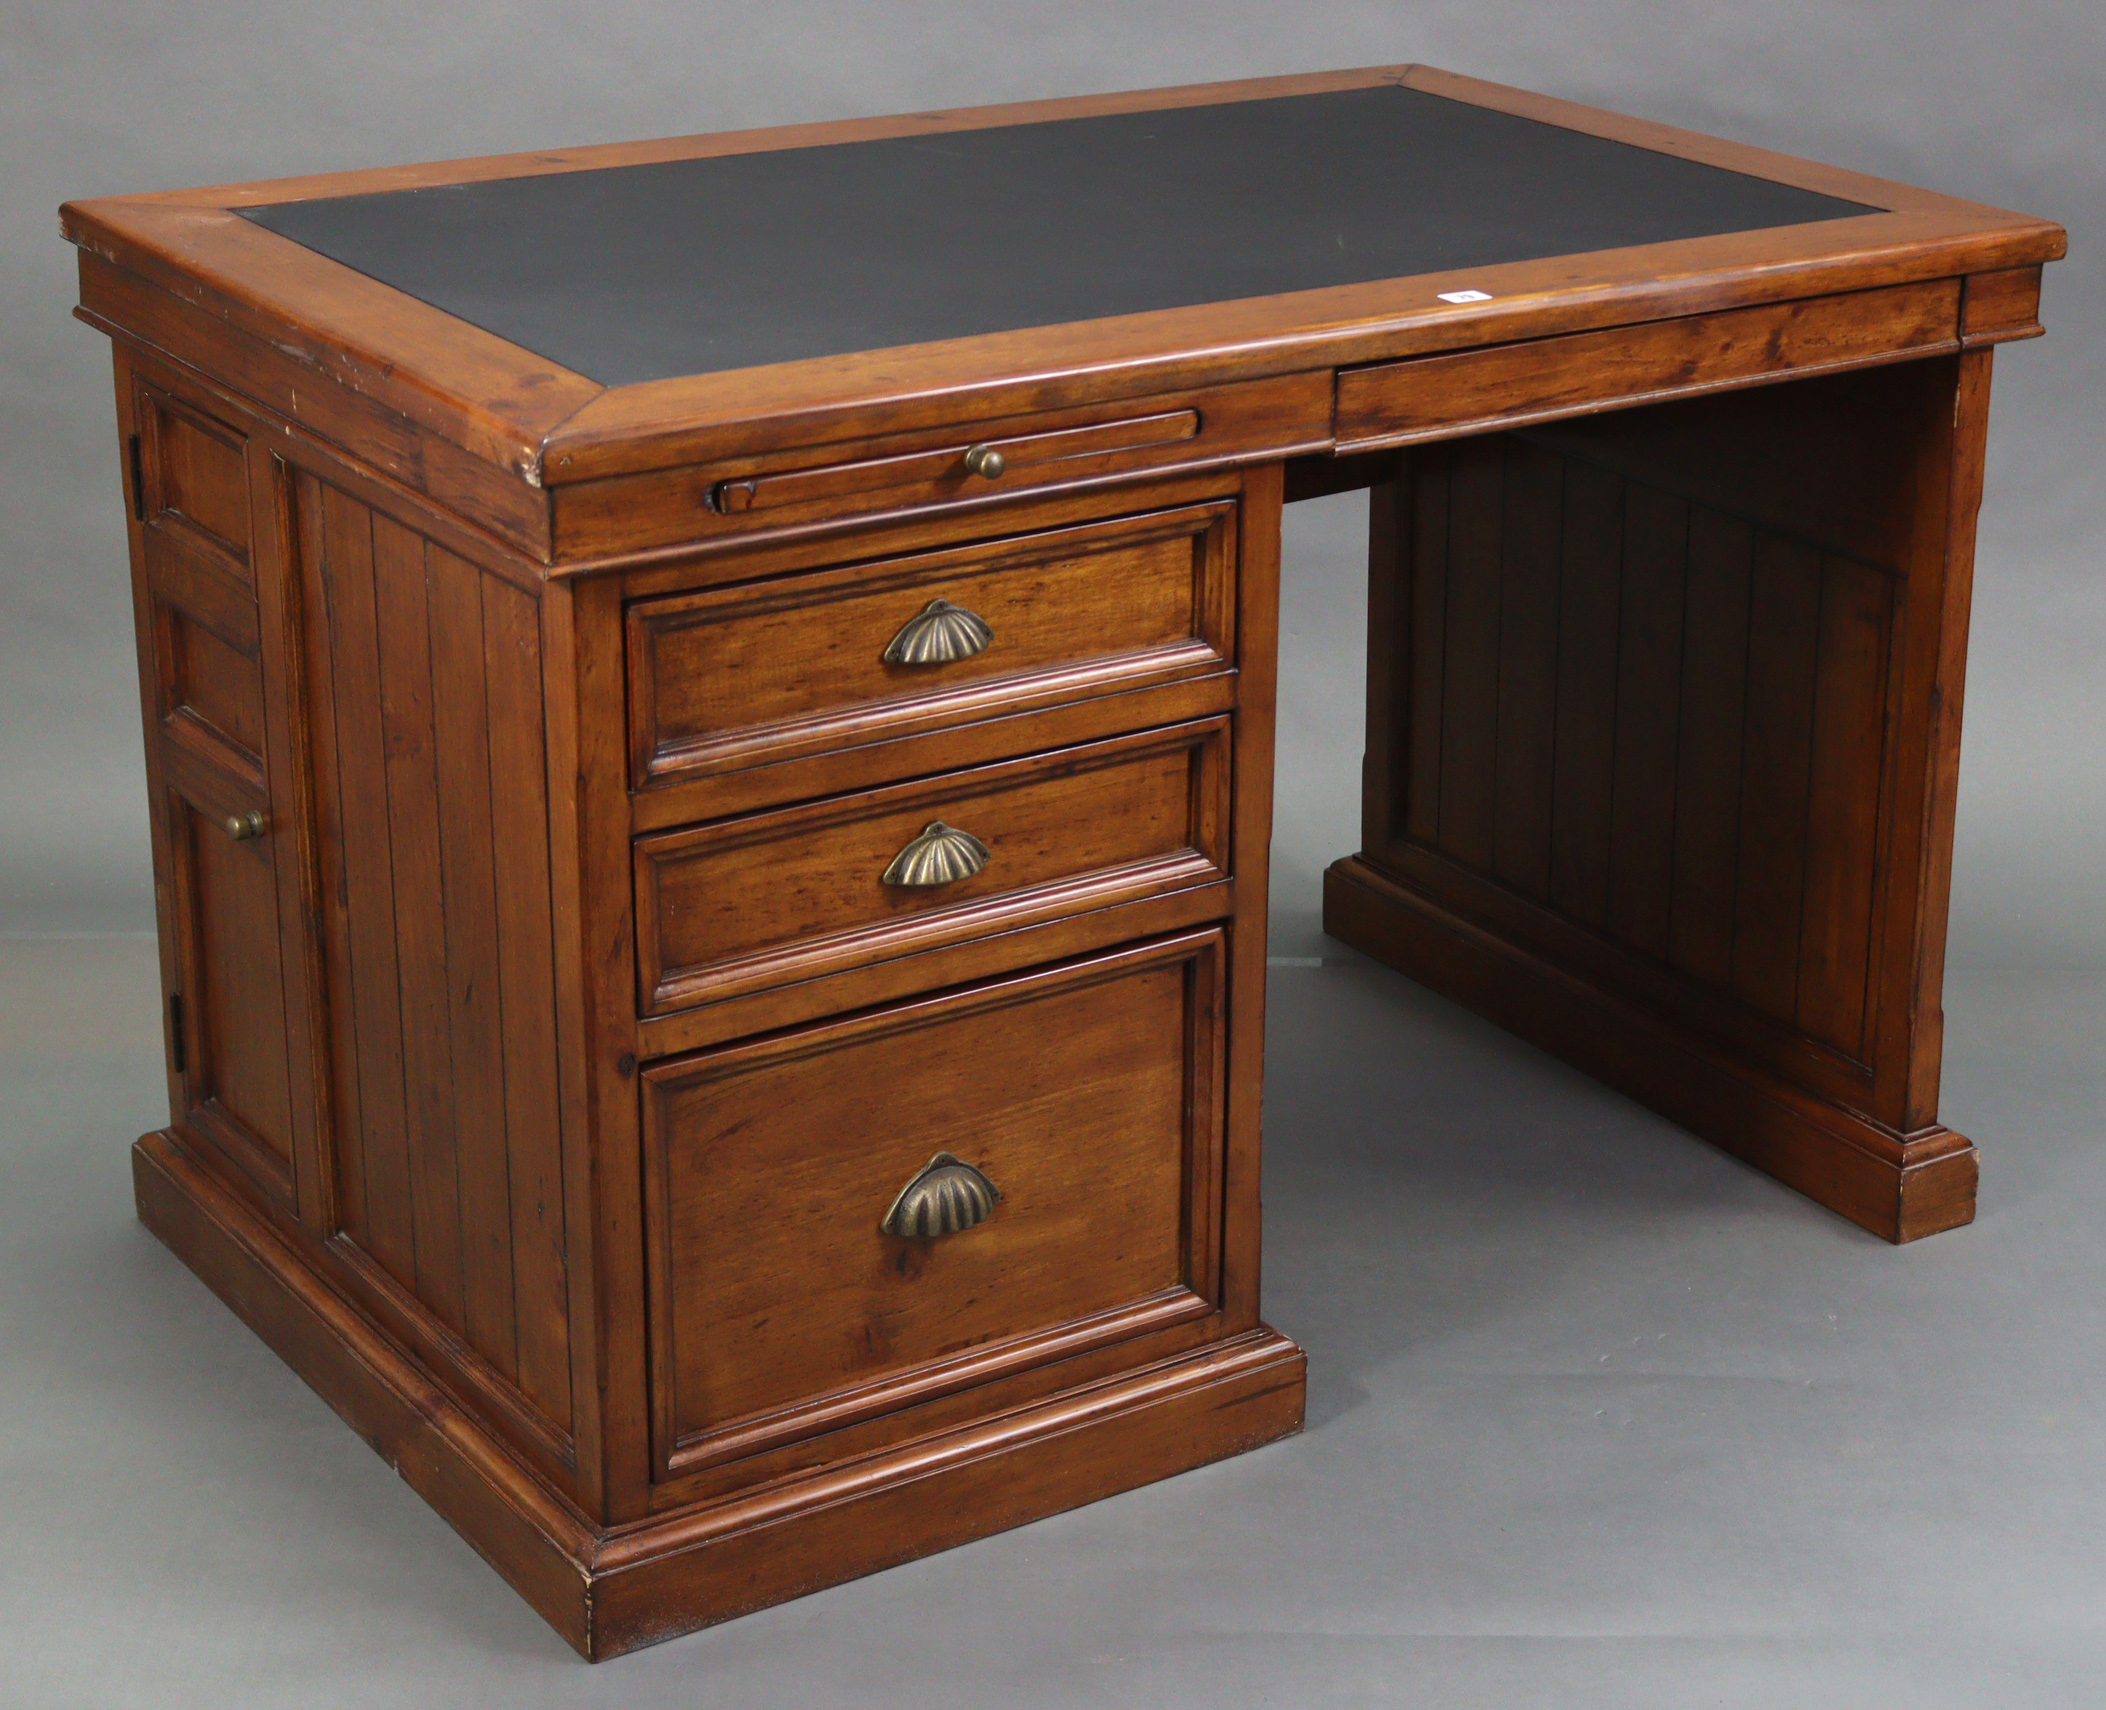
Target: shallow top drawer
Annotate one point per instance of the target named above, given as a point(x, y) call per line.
point(947, 470)
point(752, 675)
point(937, 465)
point(1540, 380)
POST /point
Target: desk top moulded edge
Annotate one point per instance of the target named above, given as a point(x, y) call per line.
point(534, 423)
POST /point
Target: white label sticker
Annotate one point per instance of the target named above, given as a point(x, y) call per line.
point(1464, 296)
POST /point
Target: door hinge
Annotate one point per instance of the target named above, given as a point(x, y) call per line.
point(138, 479)
point(175, 1033)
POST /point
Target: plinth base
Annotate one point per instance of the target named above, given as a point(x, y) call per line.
point(1898, 1186)
point(612, 1591)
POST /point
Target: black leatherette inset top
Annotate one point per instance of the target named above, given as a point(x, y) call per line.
point(634, 273)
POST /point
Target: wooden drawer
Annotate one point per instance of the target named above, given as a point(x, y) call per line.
point(751, 675)
point(945, 471)
point(779, 488)
point(1433, 397)
point(1089, 1095)
point(792, 895)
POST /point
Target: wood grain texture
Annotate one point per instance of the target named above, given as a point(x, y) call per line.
point(1832, 991)
point(944, 471)
point(1686, 750)
point(596, 1040)
point(281, 614)
point(539, 1077)
point(339, 327)
point(1250, 855)
point(1744, 839)
point(409, 771)
point(1930, 692)
point(1532, 510)
point(197, 479)
point(483, 500)
point(781, 1158)
point(1080, 1446)
point(1776, 761)
point(517, 1522)
point(468, 894)
point(437, 936)
point(1393, 642)
point(221, 737)
point(2000, 306)
point(519, 824)
point(1516, 385)
point(1590, 619)
point(758, 674)
point(1648, 719)
point(1470, 652)
point(309, 324)
point(777, 898)
point(1711, 714)
point(881, 471)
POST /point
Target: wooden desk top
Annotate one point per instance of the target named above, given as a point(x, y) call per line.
point(654, 270)
point(604, 310)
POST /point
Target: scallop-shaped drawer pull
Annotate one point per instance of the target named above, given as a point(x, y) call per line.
point(947, 1197)
point(939, 634)
point(941, 855)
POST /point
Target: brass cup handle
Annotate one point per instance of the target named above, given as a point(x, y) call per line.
point(941, 855)
point(243, 826)
point(940, 634)
point(985, 460)
point(947, 1197)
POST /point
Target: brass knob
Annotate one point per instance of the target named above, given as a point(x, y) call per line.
point(985, 460)
point(243, 826)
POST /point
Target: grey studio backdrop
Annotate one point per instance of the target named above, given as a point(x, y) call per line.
point(1597, 1415)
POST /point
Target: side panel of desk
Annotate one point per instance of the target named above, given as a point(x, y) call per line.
point(344, 719)
point(1663, 724)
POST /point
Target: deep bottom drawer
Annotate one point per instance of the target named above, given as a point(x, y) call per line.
point(792, 1293)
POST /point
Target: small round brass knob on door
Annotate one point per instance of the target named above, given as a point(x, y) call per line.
point(243, 826)
point(985, 460)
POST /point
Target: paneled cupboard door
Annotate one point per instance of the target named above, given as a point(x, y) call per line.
point(210, 511)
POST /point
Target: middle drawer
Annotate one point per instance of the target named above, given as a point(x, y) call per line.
point(794, 894)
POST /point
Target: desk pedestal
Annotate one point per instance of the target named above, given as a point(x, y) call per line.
point(1663, 730)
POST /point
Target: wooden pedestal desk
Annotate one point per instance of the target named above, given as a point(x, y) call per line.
point(709, 713)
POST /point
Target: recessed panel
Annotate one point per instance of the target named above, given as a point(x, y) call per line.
point(1080, 1097)
point(236, 1000)
point(210, 680)
point(200, 476)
